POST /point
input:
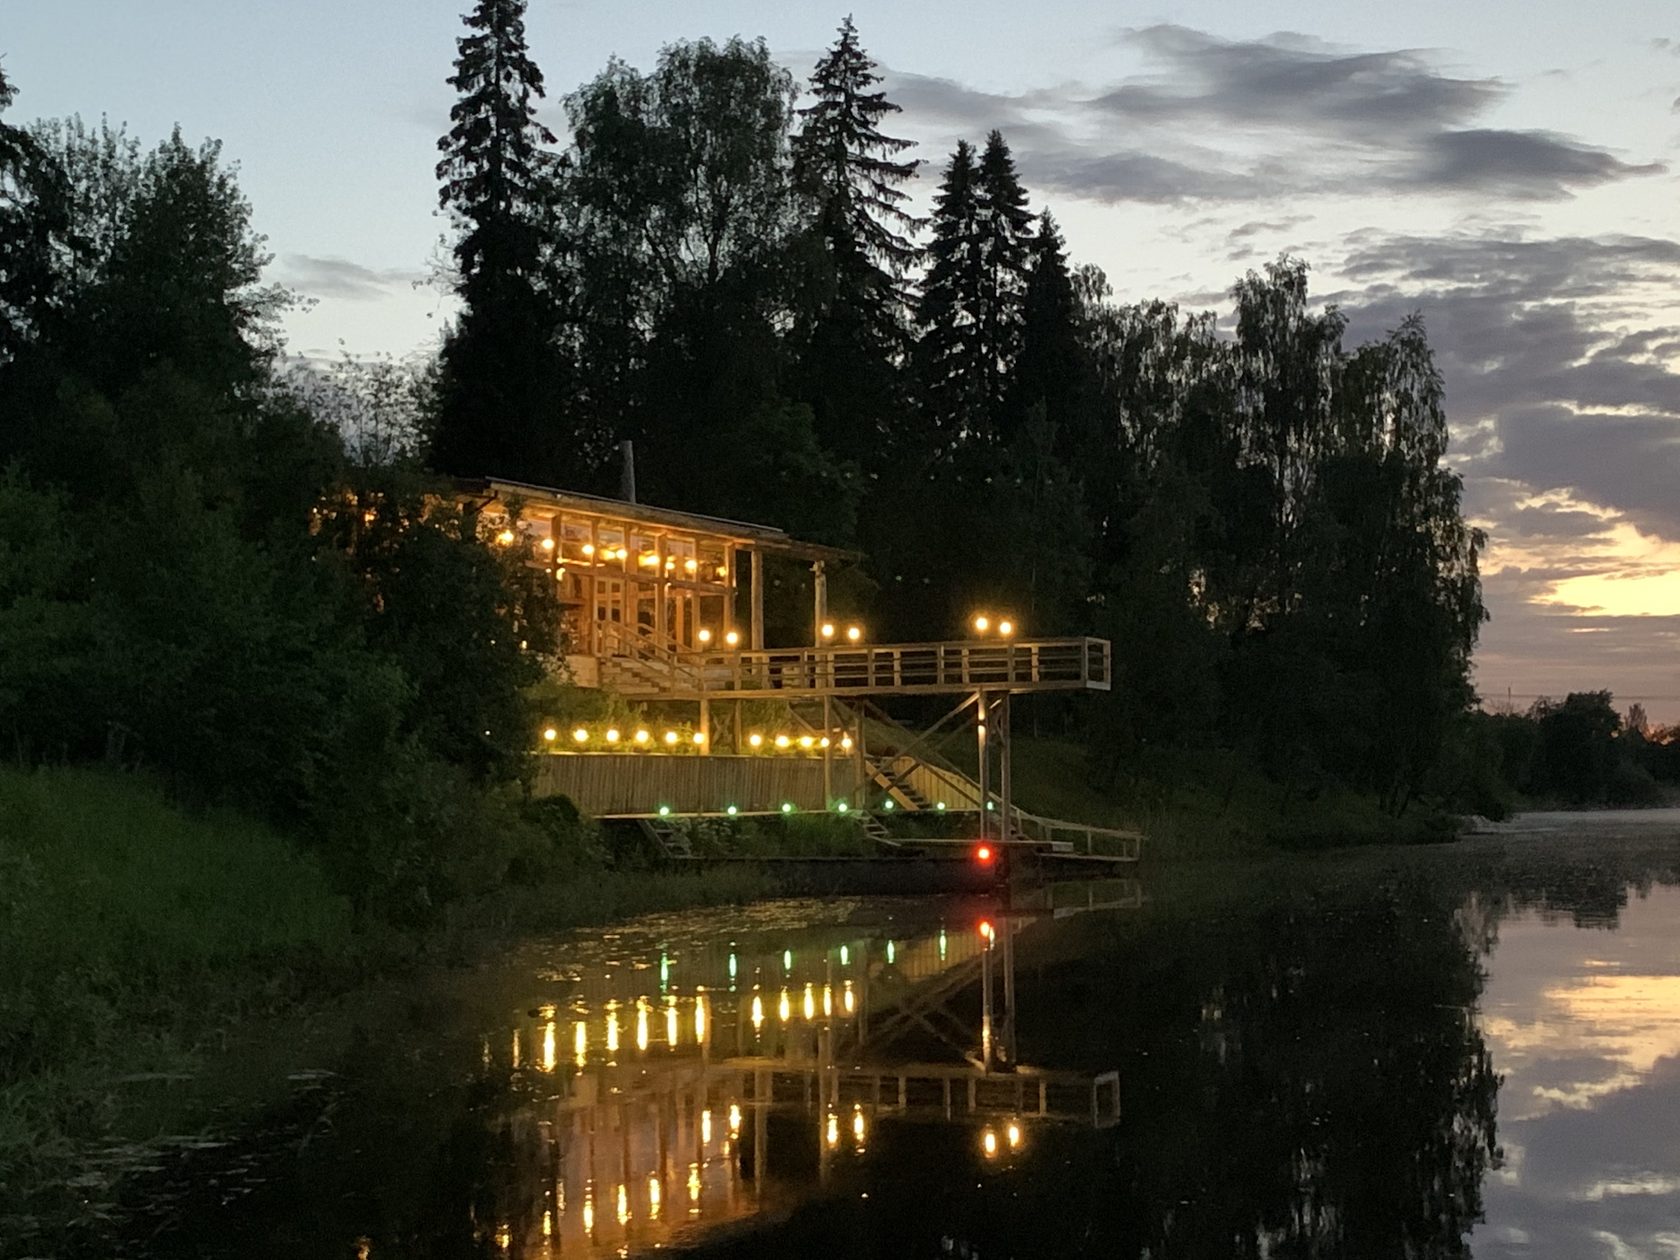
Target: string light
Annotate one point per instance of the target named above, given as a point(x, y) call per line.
point(854, 633)
point(588, 549)
point(828, 630)
point(982, 623)
point(755, 740)
point(550, 734)
point(505, 537)
point(548, 544)
point(845, 741)
point(1006, 628)
point(807, 741)
point(782, 741)
point(671, 738)
point(705, 636)
point(642, 736)
point(612, 735)
point(732, 638)
point(731, 810)
point(699, 737)
point(581, 735)
point(787, 807)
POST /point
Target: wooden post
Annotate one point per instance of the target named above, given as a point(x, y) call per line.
point(827, 760)
point(982, 707)
point(705, 727)
point(819, 591)
point(1003, 742)
point(757, 630)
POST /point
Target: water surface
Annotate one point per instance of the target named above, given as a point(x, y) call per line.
point(1467, 1050)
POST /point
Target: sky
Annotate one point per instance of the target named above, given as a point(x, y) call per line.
point(1510, 168)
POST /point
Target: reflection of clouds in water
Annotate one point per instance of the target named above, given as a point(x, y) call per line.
point(1585, 1027)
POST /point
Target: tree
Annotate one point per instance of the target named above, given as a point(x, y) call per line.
point(503, 377)
point(31, 220)
point(850, 329)
point(1005, 236)
point(1053, 370)
point(951, 352)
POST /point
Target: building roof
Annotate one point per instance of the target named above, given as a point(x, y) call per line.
point(764, 538)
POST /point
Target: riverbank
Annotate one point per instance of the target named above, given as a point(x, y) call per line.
point(142, 942)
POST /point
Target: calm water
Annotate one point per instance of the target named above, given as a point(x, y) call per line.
point(1470, 1050)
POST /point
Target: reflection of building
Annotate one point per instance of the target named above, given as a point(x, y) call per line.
point(679, 1094)
point(666, 609)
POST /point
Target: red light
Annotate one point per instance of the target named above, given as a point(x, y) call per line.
point(983, 853)
point(986, 929)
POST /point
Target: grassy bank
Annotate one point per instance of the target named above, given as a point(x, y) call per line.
point(1208, 804)
point(138, 939)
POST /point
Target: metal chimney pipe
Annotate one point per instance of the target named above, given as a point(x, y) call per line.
point(627, 473)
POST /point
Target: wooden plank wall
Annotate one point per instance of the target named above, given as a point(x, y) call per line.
point(639, 783)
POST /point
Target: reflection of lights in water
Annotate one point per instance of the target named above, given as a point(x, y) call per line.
point(787, 960)
point(655, 1194)
point(988, 931)
point(641, 1025)
point(700, 1019)
point(832, 1133)
point(671, 1024)
point(988, 1143)
point(733, 964)
point(858, 1125)
point(810, 1003)
point(845, 956)
point(757, 1013)
point(504, 1237)
point(548, 1058)
point(734, 1119)
point(664, 971)
point(694, 1183)
point(623, 1203)
point(706, 1127)
point(548, 1224)
point(1013, 1135)
point(848, 999)
point(580, 1042)
point(516, 1047)
point(364, 1248)
point(612, 1032)
point(589, 1209)
point(783, 1008)
point(828, 999)
point(942, 944)
point(891, 953)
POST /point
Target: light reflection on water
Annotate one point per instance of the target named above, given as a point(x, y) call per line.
point(1429, 1053)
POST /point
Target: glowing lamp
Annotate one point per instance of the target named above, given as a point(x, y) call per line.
point(842, 806)
point(782, 741)
point(982, 624)
point(581, 735)
point(845, 741)
point(612, 735)
point(699, 737)
point(730, 810)
point(828, 630)
point(551, 734)
point(823, 742)
point(807, 741)
point(989, 1144)
point(671, 738)
point(983, 853)
point(705, 636)
point(664, 811)
point(732, 639)
point(1006, 628)
point(642, 737)
point(548, 544)
point(987, 930)
point(505, 537)
point(755, 740)
point(691, 566)
point(588, 549)
point(854, 633)
point(787, 807)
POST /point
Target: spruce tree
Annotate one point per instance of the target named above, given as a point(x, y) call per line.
point(951, 350)
point(502, 373)
point(1053, 370)
point(1005, 237)
point(851, 310)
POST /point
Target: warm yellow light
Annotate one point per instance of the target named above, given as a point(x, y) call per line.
point(831, 1131)
point(548, 1052)
point(734, 1118)
point(700, 1019)
point(548, 1224)
point(550, 734)
point(504, 1237)
point(699, 737)
point(757, 1012)
point(691, 566)
point(548, 544)
point(581, 735)
point(988, 1143)
point(828, 630)
point(854, 633)
point(784, 1008)
point(847, 999)
point(623, 1203)
point(732, 638)
point(642, 736)
point(706, 1127)
point(505, 537)
point(641, 1026)
point(857, 1123)
point(671, 738)
point(649, 559)
point(655, 1192)
point(845, 741)
point(588, 549)
point(694, 1183)
point(782, 741)
point(810, 1003)
point(1006, 628)
point(612, 734)
point(671, 1031)
point(580, 1042)
point(612, 1032)
point(589, 1214)
point(723, 570)
point(823, 742)
point(828, 999)
point(807, 741)
point(1013, 1134)
point(982, 624)
point(755, 740)
point(705, 636)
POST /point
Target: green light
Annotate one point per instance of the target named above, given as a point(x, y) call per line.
point(665, 811)
point(787, 807)
point(887, 804)
point(842, 807)
point(845, 955)
point(941, 805)
point(664, 970)
point(990, 806)
point(732, 966)
point(731, 810)
point(787, 960)
point(890, 952)
point(941, 944)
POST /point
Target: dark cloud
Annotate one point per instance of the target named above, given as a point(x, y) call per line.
point(340, 278)
point(1523, 164)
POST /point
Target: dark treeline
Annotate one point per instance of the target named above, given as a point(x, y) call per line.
point(1261, 521)
point(232, 575)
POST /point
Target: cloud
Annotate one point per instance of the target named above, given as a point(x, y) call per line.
point(340, 278)
point(1219, 120)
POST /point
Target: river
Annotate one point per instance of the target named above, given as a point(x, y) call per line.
point(1471, 1049)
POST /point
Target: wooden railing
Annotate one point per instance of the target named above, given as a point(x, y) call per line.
point(905, 668)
